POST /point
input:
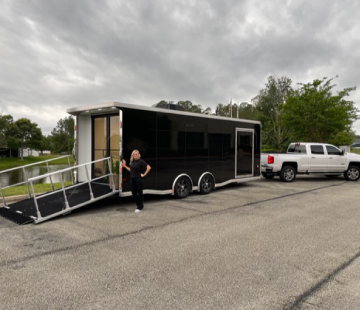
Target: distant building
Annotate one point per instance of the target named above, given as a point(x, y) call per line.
point(28, 153)
point(6, 152)
point(356, 146)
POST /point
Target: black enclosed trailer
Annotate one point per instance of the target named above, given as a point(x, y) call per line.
point(186, 151)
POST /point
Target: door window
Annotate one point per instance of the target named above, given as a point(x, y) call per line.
point(99, 145)
point(317, 149)
point(106, 141)
point(331, 150)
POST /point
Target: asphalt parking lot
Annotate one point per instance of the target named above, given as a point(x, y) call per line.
point(259, 245)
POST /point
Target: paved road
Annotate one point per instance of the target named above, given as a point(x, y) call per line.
point(259, 245)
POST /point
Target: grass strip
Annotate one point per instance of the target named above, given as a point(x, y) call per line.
point(38, 188)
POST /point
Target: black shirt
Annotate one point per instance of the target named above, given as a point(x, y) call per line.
point(137, 167)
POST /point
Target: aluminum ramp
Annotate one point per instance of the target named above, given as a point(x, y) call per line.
point(39, 208)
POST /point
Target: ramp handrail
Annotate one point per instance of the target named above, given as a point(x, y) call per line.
point(38, 162)
point(26, 181)
point(63, 190)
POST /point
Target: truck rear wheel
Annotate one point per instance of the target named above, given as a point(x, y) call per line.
point(352, 174)
point(287, 174)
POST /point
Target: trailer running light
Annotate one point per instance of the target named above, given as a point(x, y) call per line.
point(270, 159)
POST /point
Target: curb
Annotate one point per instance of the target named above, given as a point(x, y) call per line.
point(14, 198)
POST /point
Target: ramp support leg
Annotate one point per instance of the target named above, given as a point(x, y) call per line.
point(27, 182)
point(48, 170)
point(89, 182)
point(3, 197)
point(67, 207)
point(35, 202)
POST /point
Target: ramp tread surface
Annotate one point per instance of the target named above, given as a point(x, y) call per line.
point(50, 204)
point(15, 217)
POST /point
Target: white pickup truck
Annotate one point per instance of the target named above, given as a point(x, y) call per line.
point(310, 158)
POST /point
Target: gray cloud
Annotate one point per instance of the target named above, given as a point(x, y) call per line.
point(61, 54)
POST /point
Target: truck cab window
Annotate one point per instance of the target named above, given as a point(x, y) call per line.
point(317, 149)
point(333, 150)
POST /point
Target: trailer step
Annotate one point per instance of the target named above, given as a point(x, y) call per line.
point(15, 217)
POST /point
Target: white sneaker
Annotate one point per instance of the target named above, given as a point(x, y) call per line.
point(137, 210)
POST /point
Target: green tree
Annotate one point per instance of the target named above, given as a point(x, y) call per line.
point(5, 124)
point(190, 107)
point(268, 104)
point(222, 110)
point(315, 114)
point(46, 144)
point(12, 143)
point(239, 110)
point(246, 111)
point(26, 135)
point(63, 135)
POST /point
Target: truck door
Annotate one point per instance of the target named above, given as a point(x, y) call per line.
point(244, 152)
point(336, 159)
point(318, 159)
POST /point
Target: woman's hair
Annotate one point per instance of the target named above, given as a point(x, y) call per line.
point(132, 158)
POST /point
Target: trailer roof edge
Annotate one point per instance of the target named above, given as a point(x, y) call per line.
point(108, 106)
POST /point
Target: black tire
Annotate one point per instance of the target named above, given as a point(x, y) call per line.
point(267, 176)
point(182, 187)
point(352, 174)
point(287, 174)
point(206, 184)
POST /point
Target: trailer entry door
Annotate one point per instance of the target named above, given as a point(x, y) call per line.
point(106, 138)
point(244, 163)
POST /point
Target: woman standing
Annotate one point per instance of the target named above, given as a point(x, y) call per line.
point(138, 169)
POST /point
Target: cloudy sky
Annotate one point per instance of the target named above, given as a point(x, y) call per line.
point(59, 54)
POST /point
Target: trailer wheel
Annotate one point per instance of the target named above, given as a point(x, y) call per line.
point(287, 174)
point(182, 187)
point(352, 174)
point(267, 176)
point(206, 184)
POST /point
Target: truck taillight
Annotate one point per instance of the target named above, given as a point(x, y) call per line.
point(270, 159)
